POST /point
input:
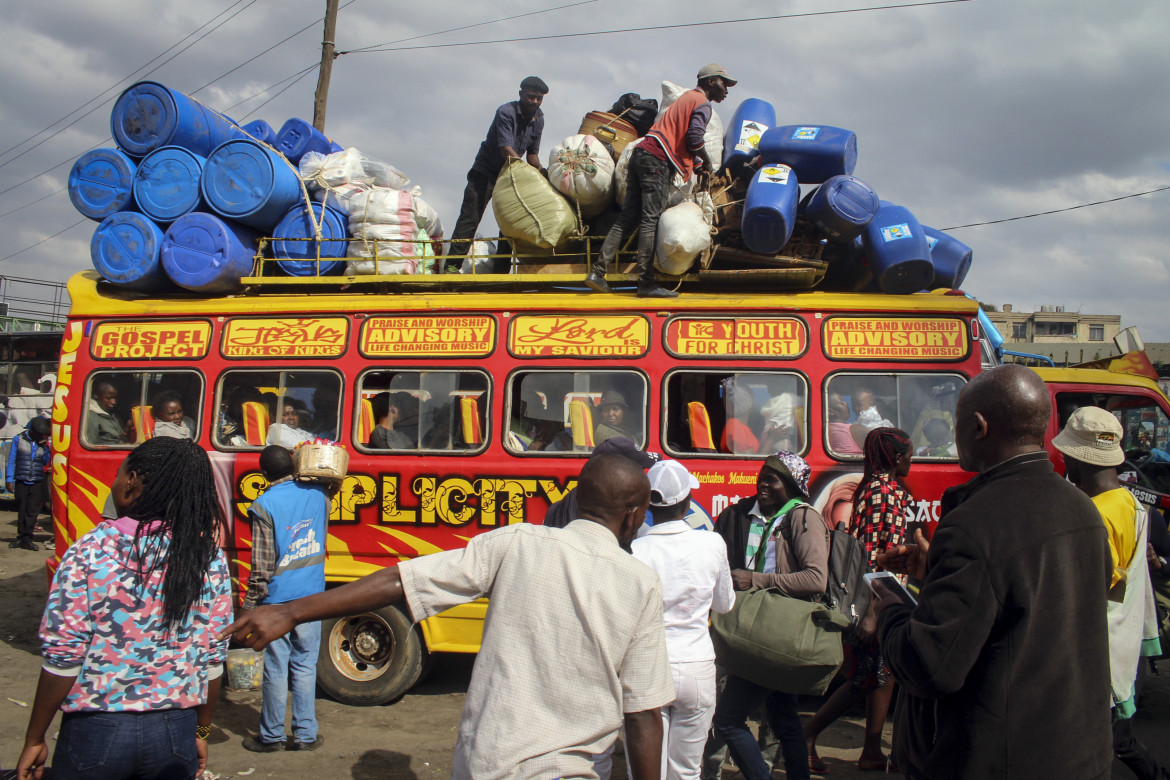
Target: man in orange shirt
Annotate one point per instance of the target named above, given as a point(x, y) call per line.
point(672, 144)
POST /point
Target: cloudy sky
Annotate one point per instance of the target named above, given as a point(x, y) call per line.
point(966, 111)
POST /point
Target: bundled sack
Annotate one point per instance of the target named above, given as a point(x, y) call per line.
point(581, 169)
point(320, 460)
point(478, 260)
point(712, 138)
point(638, 112)
point(338, 197)
point(394, 258)
point(683, 232)
point(782, 643)
point(349, 166)
point(425, 215)
point(529, 209)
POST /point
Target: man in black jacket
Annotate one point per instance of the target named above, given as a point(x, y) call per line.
point(1003, 666)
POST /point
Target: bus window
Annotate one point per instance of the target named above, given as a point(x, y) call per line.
point(128, 407)
point(419, 411)
point(573, 411)
point(923, 405)
point(258, 408)
point(758, 413)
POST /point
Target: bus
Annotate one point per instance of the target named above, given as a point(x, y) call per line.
point(501, 392)
point(28, 377)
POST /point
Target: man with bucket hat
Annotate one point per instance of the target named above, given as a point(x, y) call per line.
point(774, 540)
point(673, 144)
point(1091, 445)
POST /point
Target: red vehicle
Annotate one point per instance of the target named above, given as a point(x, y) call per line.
point(498, 399)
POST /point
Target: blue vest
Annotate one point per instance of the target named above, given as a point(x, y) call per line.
point(30, 459)
point(299, 513)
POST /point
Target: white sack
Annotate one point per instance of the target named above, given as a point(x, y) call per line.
point(682, 234)
point(425, 215)
point(478, 258)
point(394, 258)
point(380, 205)
point(581, 169)
point(349, 166)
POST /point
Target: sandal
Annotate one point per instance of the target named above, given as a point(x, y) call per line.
point(817, 766)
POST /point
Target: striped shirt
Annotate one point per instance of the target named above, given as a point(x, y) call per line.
point(105, 626)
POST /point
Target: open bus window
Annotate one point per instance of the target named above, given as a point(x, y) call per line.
point(1146, 440)
point(125, 408)
point(717, 412)
point(258, 408)
point(923, 405)
point(414, 411)
point(573, 411)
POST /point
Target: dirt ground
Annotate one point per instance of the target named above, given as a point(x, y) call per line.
point(412, 739)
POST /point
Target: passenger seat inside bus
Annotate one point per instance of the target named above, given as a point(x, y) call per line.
point(143, 423)
point(581, 424)
point(255, 422)
point(702, 439)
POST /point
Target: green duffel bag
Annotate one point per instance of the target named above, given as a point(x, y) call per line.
point(782, 643)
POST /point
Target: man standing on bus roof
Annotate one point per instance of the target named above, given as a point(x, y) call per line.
point(672, 144)
point(550, 590)
point(289, 526)
point(514, 132)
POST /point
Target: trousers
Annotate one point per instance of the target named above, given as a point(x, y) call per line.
point(647, 195)
point(157, 745)
point(290, 663)
point(739, 700)
point(476, 195)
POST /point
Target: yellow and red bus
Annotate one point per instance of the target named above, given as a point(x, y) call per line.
point(498, 397)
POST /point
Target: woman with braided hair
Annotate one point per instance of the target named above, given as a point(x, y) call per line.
point(881, 509)
point(129, 632)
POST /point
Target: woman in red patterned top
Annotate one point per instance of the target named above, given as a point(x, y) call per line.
point(881, 509)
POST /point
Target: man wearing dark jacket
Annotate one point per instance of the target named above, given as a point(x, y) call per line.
point(1003, 667)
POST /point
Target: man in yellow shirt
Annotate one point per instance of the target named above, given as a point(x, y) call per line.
point(1091, 445)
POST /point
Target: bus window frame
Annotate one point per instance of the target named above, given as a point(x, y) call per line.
point(677, 319)
point(486, 423)
point(729, 372)
point(99, 369)
point(828, 379)
point(529, 370)
point(254, 368)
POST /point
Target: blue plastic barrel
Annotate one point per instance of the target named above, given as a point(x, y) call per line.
point(261, 131)
point(148, 116)
point(299, 258)
point(125, 251)
point(742, 137)
point(167, 183)
point(769, 210)
point(102, 183)
point(297, 137)
point(815, 152)
point(842, 207)
point(951, 258)
point(248, 183)
point(896, 248)
point(204, 253)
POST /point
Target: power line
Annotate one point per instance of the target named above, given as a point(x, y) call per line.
point(115, 86)
point(464, 27)
point(33, 202)
point(1058, 211)
point(43, 240)
point(667, 26)
point(295, 81)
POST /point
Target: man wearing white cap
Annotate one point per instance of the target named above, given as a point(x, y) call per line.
point(1091, 445)
point(696, 580)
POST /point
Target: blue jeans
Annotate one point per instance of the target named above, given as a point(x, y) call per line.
point(290, 663)
point(739, 700)
point(158, 745)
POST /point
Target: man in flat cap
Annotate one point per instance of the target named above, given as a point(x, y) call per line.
point(515, 132)
point(673, 144)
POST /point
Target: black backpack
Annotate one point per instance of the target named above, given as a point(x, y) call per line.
point(848, 592)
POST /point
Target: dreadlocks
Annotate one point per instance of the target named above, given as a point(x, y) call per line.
point(178, 494)
point(882, 448)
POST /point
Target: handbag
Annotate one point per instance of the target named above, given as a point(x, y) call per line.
point(779, 642)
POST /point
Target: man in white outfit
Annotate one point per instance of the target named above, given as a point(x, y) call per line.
point(696, 580)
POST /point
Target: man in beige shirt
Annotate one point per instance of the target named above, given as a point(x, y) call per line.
point(573, 644)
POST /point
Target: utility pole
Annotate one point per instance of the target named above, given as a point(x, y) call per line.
point(326, 70)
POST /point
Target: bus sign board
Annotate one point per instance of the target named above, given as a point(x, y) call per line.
point(777, 337)
point(150, 340)
point(323, 337)
point(895, 338)
point(559, 335)
point(446, 336)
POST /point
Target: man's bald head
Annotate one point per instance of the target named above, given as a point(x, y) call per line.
point(1002, 413)
point(611, 490)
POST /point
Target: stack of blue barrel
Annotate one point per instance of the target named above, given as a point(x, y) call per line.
point(186, 193)
point(883, 243)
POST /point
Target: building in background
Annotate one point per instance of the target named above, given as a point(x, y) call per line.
point(1068, 337)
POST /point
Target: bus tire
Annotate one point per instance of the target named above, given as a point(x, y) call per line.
point(372, 658)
